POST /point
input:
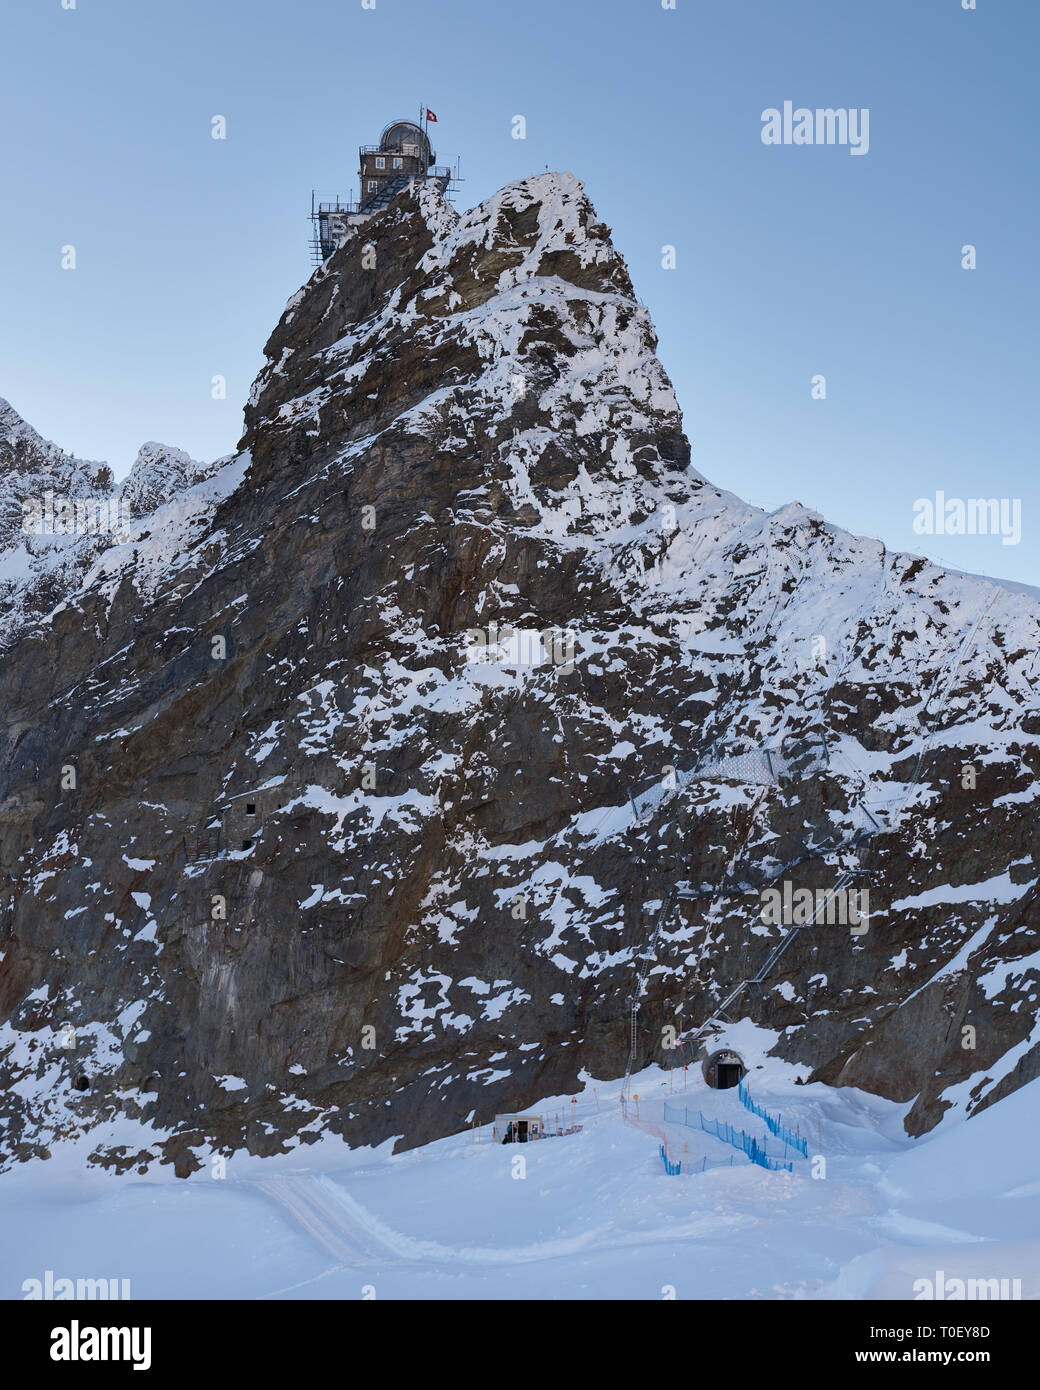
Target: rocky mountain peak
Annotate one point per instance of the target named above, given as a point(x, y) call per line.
point(520, 315)
point(59, 514)
point(159, 472)
point(322, 689)
point(30, 465)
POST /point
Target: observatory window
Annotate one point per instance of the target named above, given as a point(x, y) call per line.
point(398, 163)
point(372, 185)
point(380, 161)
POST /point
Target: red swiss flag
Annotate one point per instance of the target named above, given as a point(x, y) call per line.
point(430, 115)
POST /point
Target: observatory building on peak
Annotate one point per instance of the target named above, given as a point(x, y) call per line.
point(403, 153)
point(403, 156)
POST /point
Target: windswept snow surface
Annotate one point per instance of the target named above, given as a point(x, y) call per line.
point(594, 1215)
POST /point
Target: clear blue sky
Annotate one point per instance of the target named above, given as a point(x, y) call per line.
point(791, 261)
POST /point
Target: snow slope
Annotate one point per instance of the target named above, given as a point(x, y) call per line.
point(595, 1216)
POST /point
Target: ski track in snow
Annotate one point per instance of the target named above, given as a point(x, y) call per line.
point(596, 1217)
point(357, 1238)
point(312, 1201)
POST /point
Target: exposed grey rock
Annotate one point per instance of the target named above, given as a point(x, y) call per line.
point(320, 870)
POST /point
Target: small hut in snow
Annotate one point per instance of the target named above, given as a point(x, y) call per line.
point(518, 1129)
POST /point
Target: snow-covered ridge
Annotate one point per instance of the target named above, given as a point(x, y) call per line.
point(58, 513)
point(158, 473)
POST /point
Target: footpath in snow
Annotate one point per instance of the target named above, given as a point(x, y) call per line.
point(583, 1216)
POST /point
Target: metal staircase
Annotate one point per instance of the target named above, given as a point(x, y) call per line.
point(857, 842)
point(384, 196)
point(763, 971)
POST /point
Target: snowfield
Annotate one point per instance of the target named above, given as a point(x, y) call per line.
point(594, 1215)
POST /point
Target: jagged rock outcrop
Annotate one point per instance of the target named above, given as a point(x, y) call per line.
point(322, 869)
point(159, 473)
point(58, 514)
point(37, 566)
point(29, 466)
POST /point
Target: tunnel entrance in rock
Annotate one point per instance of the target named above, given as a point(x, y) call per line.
point(723, 1070)
point(81, 1084)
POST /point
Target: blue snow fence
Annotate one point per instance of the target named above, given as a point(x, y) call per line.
point(772, 1123)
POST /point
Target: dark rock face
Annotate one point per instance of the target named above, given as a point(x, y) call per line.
point(283, 857)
